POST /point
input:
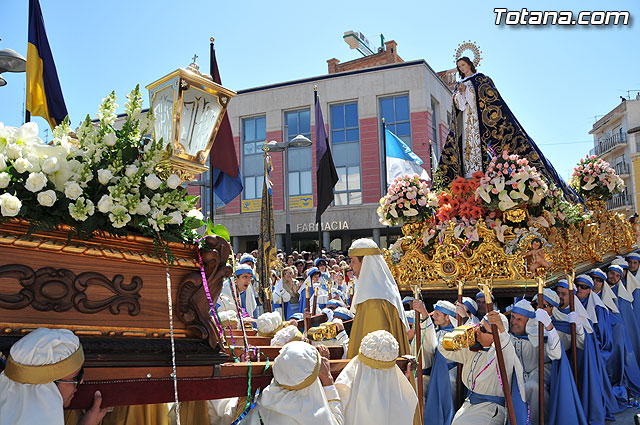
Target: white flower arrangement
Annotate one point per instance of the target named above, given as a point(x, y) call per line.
point(97, 180)
point(380, 345)
point(594, 178)
point(229, 318)
point(407, 197)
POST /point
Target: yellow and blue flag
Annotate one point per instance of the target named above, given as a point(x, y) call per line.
point(44, 95)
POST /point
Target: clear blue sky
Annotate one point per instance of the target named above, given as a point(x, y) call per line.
point(555, 79)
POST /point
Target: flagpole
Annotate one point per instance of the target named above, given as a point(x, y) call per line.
point(212, 209)
point(384, 162)
point(319, 221)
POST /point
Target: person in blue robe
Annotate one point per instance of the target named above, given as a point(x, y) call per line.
point(626, 373)
point(313, 281)
point(633, 282)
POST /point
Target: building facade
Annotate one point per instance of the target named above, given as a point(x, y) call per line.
point(616, 138)
point(354, 97)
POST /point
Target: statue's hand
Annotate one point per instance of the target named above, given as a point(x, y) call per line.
point(462, 87)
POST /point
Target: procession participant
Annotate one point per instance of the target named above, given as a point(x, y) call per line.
point(243, 289)
point(321, 264)
point(561, 393)
point(524, 328)
point(434, 326)
point(467, 310)
point(301, 392)
point(562, 317)
point(593, 294)
point(42, 374)
point(633, 281)
point(376, 302)
point(622, 365)
point(316, 287)
point(482, 305)
point(441, 375)
point(624, 302)
point(281, 299)
point(486, 403)
point(286, 335)
point(343, 313)
point(372, 387)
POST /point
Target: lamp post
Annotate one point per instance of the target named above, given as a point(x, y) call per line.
point(297, 142)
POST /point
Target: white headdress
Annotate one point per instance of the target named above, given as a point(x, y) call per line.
point(295, 395)
point(29, 395)
point(372, 388)
point(375, 280)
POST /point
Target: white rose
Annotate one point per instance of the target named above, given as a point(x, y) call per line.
point(195, 214)
point(143, 208)
point(174, 181)
point(176, 217)
point(9, 205)
point(3, 162)
point(152, 182)
point(47, 198)
point(104, 176)
point(105, 204)
point(72, 190)
point(51, 165)
point(13, 150)
point(21, 165)
point(131, 170)
point(110, 139)
point(35, 182)
point(5, 178)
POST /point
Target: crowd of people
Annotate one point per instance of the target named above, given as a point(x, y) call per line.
point(372, 388)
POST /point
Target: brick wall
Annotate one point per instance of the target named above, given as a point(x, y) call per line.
point(370, 160)
point(420, 136)
point(388, 56)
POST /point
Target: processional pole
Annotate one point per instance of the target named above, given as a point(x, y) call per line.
point(574, 353)
point(459, 367)
point(418, 339)
point(540, 355)
point(501, 366)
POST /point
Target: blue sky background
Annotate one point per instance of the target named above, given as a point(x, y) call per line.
point(555, 79)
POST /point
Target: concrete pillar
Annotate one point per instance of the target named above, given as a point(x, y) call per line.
point(235, 242)
point(279, 242)
point(326, 240)
point(346, 241)
point(376, 236)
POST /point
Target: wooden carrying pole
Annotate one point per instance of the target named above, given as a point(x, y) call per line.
point(417, 337)
point(574, 351)
point(501, 367)
point(459, 367)
point(540, 355)
point(307, 321)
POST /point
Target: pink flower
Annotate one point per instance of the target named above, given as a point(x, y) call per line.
point(505, 171)
point(585, 178)
point(494, 191)
point(499, 166)
point(400, 205)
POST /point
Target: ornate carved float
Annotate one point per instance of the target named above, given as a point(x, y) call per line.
point(452, 259)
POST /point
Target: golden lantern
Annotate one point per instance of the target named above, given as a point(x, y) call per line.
point(188, 108)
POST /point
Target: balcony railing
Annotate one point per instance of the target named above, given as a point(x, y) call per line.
point(622, 168)
point(619, 201)
point(605, 145)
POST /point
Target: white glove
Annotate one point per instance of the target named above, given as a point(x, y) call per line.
point(543, 317)
point(574, 317)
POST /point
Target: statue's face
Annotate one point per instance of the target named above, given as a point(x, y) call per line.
point(464, 67)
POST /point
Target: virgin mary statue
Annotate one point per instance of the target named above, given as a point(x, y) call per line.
point(484, 126)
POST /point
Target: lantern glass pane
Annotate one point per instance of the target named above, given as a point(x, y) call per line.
point(162, 103)
point(200, 111)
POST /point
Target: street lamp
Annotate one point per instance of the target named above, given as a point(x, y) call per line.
point(299, 141)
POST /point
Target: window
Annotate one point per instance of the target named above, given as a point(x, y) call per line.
point(205, 199)
point(254, 134)
point(300, 180)
point(395, 111)
point(435, 108)
point(345, 148)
